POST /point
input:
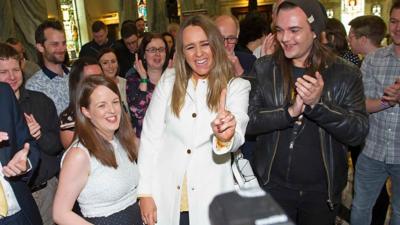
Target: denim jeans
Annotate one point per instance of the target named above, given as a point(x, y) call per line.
point(370, 177)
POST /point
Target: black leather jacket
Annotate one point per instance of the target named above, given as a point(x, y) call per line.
point(340, 115)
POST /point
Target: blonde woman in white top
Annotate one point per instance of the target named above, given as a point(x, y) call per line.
point(197, 116)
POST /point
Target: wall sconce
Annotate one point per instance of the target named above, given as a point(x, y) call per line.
point(376, 9)
point(329, 13)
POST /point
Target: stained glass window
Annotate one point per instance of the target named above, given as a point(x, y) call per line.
point(71, 27)
point(142, 9)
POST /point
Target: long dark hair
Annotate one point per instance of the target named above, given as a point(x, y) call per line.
point(319, 58)
point(86, 133)
point(336, 36)
point(75, 77)
point(172, 50)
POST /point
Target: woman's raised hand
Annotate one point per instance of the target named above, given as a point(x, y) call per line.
point(224, 124)
point(140, 68)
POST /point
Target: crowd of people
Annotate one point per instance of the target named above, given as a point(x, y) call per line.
point(141, 130)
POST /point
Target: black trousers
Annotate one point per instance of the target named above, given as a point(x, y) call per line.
point(184, 218)
point(303, 207)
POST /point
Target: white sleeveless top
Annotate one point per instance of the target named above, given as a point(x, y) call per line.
point(108, 190)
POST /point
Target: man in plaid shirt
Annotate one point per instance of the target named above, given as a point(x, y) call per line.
point(380, 157)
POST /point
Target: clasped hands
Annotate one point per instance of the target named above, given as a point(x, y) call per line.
point(309, 91)
point(19, 162)
point(392, 93)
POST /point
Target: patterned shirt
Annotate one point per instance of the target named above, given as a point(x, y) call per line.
point(348, 55)
point(138, 100)
point(54, 86)
point(380, 69)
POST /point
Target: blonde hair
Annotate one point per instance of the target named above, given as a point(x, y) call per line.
point(219, 75)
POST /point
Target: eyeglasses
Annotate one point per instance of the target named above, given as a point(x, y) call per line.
point(154, 50)
point(231, 40)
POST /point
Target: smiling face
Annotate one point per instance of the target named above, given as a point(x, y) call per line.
point(294, 34)
point(109, 64)
point(104, 111)
point(394, 26)
point(197, 51)
point(11, 73)
point(155, 54)
point(54, 47)
point(229, 31)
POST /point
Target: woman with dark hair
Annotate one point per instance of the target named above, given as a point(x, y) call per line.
point(81, 68)
point(335, 37)
point(150, 63)
point(99, 169)
point(109, 64)
point(197, 116)
point(170, 42)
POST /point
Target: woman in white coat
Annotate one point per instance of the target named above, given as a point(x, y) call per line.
point(197, 116)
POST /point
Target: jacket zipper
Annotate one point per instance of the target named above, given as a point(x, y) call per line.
point(279, 133)
point(274, 83)
point(291, 147)
point(274, 110)
point(272, 160)
point(289, 161)
point(339, 113)
point(330, 99)
point(329, 201)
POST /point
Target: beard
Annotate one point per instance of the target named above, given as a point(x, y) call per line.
point(54, 58)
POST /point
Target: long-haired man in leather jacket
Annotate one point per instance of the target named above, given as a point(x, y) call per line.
point(306, 106)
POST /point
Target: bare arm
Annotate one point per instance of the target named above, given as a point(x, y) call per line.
point(73, 177)
point(373, 105)
point(66, 137)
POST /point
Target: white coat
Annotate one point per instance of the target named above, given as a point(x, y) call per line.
point(171, 147)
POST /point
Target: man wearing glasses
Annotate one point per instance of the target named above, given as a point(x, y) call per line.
point(127, 47)
point(229, 28)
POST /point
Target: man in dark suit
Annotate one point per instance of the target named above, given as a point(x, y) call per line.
point(18, 158)
point(127, 47)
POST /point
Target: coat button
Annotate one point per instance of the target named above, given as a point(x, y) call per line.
point(194, 115)
point(188, 151)
point(178, 187)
